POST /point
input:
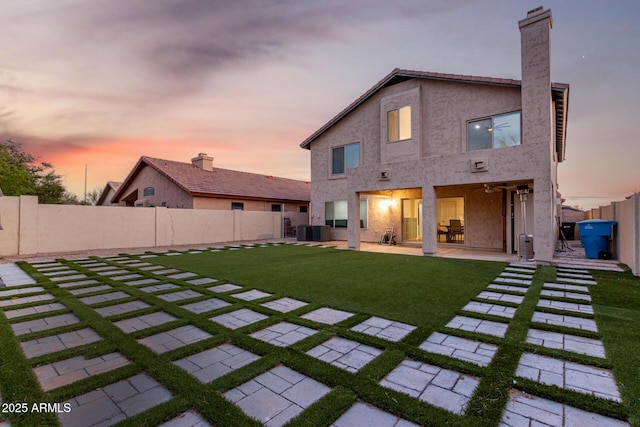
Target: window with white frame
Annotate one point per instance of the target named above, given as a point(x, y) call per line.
point(344, 158)
point(336, 213)
point(494, 132)
point(399, 124)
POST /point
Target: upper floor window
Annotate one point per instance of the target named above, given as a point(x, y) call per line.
point(345, 158)
point(149, 191)
point(494, 132)
point(399, 124)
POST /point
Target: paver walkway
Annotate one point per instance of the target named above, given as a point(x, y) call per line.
point(231, 349)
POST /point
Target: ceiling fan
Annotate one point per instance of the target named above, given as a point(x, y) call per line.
point(491, 188)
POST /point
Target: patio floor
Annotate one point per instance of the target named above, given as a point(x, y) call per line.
point(279, 394)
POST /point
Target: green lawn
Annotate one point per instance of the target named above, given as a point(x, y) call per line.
point(422, 291)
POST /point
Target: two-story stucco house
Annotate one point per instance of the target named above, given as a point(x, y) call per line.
point(439, 157)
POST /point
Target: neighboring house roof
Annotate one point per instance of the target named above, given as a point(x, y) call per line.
point(559, 92)
point(111, 186)
point(222, 183)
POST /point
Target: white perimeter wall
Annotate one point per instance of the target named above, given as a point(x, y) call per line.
point(31, 228)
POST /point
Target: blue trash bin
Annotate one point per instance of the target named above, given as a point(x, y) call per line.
point(595, 235)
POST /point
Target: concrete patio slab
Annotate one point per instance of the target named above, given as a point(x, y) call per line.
point(206, 305)
point(572, 376)
point(144, 322)
point(55, 343)
point(328, 316)
point(566, 306)
point(443, 388)
point(224, 288)
point(211, 364)
point(36, 309)
point(104, 298)
point(284, 305)
point(115, 402)
point(68, 371)
point(238, 319)
point(566, 342)
point(89, 290)
point(127, 307)
point(251, 295)
point(575, 288)
point(499, 296)
point(384, 329)
point(480, 326)
point(528, 410)
point(180, 295)
point(566, 321)
point(25, 300)
point(278, 395)
point(175, 338)
point(187, 419)
point(567, 295)
point(12, 275)
point(493, 309)
point(475, 352)
point(361, 414)
point(43, 324)
point(202, 281)
point(283, 334)
point(159, 288)
point(345, 354)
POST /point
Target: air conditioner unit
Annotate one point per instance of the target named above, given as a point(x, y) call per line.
point(385, 175)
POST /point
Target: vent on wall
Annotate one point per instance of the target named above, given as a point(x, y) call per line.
point(479, 165)
point(385, 175)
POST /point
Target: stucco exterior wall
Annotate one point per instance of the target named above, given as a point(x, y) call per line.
point(249, 205)
point(32, 228)
point(164, 190)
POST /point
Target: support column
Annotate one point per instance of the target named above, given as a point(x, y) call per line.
point(429, 220)
point(353, 221)
point(544, 233)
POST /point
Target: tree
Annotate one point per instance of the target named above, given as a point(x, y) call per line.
point(94, 195)
point(20, 174)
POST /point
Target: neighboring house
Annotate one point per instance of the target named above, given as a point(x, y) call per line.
point(107, 194)
point(571, 214)
point(198, 185)
point(439, 157)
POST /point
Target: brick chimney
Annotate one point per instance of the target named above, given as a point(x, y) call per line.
point(203, 162)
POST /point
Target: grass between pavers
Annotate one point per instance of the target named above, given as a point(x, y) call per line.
point(426, 292)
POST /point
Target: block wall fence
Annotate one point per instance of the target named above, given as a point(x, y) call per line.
point(29, 228)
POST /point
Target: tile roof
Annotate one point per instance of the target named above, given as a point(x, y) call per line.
point(223, 182)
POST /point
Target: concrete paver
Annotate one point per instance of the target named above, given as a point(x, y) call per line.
point(144, 322)
point(78, 283)
point(444, 388)
point(89, 290)
point(361, 414)
point(21, 291)
point(563, 294)
point(576, 281)
point(175, 338)
point(480, 326)
point(251, 295)
point(104, 297)
point(187, 419)
point(25, 300)
point(211, 364)
point(36, 309)
point(126, 307)
point(224, 288)
point(283, 334)
point(493, 309)
point(383, 328)
point(327, 315)
point(565, 287)
point(55, 343)
point(158, 288)
point(141, 282)
point(276, 396)
point(68, 371)
point(44, 323)
point(566, 306)
point(522, 282)
point(202, 281)
point(284, 305)
point(475, 352)
point(566, 321)
point(126, 277)
point(238, 319)
point(345, 354)
point(180, 295)
point(572, 343)
point(527, 410)
point(572, 376)
point(115, 402)
point(12, 275)
point(519, 289)
point(180, 276)
point(206, 305)
point(499, 296)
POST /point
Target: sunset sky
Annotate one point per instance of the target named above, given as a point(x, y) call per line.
point(102, 82)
